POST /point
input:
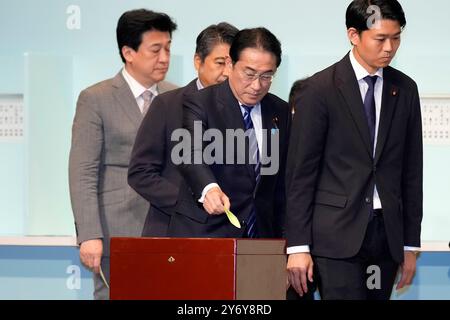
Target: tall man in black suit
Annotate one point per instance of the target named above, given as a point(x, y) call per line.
point(354, 199)
point(151, 172)
point(246, 178)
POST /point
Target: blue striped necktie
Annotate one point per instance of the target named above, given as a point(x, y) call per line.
point(252, 231)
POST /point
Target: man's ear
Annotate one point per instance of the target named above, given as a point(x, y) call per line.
point(197, 61)
point(128, 53)
point(354, 36)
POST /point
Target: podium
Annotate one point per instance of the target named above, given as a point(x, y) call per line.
point(197, 269)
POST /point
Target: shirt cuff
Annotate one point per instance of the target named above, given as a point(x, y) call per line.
point(297, 249)
point(406, 248)
point(206, 189)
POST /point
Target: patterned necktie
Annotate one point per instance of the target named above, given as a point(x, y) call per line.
point(252, 231)
point(369, 107)
point(147, 96)
point(253, 142)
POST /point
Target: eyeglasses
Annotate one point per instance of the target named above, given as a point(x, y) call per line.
point(264, 78)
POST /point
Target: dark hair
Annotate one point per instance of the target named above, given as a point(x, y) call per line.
point(357, 15)
point(212, 36)
point(297, 86)
point(259, 38)
point(132, 24)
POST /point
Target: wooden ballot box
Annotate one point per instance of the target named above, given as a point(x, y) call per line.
point(198, 269)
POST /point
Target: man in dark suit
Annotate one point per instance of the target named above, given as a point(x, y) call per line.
point(354, 200)
point(241, 177)
point(151, 172)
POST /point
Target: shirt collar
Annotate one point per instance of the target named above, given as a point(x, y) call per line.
point(360, 72)
point(199, 84)
point(256, 108)
point(136, 88)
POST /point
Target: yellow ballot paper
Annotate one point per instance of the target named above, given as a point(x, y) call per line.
point(234, 221)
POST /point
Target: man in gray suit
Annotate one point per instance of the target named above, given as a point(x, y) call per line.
point(107, 118)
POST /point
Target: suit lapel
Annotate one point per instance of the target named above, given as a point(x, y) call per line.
point(230, 111)
point(388, 104)
point(269, 122)
point(126, 99)
point(229, 108)
point(348, 86)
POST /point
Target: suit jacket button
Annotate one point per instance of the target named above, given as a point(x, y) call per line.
point(368, 200)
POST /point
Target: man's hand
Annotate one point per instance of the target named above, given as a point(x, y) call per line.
point(300, 270)
point(408, 268)
point(91, 254)
point(215, 201)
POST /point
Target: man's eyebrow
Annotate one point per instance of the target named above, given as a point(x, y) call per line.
point(386, 35)
point(159, 44)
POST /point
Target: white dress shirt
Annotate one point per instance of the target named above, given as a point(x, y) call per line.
point(137, 89)
point(361, 73)
point(257, 125)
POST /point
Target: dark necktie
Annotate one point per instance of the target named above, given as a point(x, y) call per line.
point(251, 231)
point(369, 107)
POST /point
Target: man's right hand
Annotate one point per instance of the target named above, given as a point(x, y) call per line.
point(91, 252)
point(215, 201)
point(300, 270)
